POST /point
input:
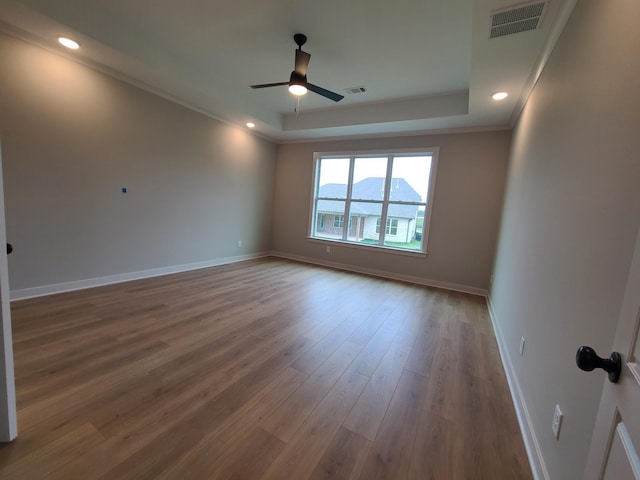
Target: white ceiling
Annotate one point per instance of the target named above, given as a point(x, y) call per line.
point(427, 65)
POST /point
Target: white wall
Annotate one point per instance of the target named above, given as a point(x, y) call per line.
point(572, 211)
point(466, 208)
point(73, 137)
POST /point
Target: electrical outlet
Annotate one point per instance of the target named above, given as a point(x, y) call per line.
point(557, 421)
point(239, 243)
point(521, 346)
point(328, 249)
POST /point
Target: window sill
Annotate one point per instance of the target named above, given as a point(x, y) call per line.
point(368, 247)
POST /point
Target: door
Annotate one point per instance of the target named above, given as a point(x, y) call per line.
point(8, 423)
point(614, 447)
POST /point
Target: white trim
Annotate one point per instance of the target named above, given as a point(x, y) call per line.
point(126, 277)
point(8, 411)
point(632, 456)
point(531, 444)
point(368, 247)
point(398, 134)
point(384, 274)
point(633, 367)
point(155, 272)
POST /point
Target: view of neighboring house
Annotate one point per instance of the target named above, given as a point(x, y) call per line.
point(365, 216)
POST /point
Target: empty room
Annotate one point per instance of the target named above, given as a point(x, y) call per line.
point(319, 240)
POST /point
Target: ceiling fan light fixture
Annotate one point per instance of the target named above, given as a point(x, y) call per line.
point(297, 89)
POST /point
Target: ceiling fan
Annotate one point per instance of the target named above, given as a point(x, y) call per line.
point(298, 84)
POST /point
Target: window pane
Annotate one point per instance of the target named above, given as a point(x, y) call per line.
point(392, 226)
point(334, 176)
point(364, 217)
point(410, 179)
point(420, 224)
point(401, 233)
point(329, 219)
point(403, 211)
point(368, 178)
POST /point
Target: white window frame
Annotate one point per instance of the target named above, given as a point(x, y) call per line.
point(388, 227)
point(433, 152)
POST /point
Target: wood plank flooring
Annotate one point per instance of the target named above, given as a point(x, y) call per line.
point(267, 369)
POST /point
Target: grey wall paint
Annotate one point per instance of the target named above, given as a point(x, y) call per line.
point(466, 208)
point(570, 220)
point(72, 137)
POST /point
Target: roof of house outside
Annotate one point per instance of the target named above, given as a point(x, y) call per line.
point(371, 188)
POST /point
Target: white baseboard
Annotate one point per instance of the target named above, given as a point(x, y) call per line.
point(52, 289)
point(125, 277)
point(536, 460)
point(384, 274)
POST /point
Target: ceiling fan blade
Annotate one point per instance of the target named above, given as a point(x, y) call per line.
point(265, 85)
point(336, 97)
point(302, 62)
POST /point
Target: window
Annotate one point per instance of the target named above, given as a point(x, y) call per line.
point(394, 189)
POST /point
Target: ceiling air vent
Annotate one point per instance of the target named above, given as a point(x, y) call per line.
point(352, 90)
point(516, 19)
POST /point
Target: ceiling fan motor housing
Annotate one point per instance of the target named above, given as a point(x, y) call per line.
point(297, 79)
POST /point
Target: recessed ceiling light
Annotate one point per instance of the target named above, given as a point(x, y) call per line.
point(67, 42)
point(250, 124)
point(499, 95)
